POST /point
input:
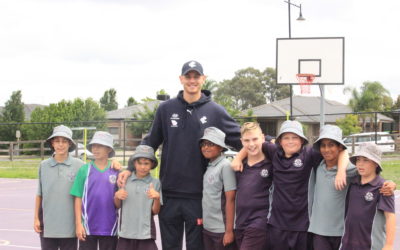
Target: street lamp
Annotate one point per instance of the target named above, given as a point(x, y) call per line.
point(300, 18)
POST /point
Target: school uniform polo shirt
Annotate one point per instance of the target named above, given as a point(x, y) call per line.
point(289, 209)
point(97, 187)
point(218, 179)
point(136, 221)
point(55, 181)
point(252, 195)
point(365, 220)
point(328, 204)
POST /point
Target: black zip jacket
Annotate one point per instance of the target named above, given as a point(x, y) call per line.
point(179, 125)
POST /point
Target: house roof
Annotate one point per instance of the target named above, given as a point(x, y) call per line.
point(305, 105)
point(28, 108)
point(127, 112)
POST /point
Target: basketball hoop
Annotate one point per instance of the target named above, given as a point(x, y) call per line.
point(305, 81)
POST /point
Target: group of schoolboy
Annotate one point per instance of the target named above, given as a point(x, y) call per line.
point(77, 201)
point(279, 195)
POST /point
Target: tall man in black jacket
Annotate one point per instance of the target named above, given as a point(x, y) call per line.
point(178, 125)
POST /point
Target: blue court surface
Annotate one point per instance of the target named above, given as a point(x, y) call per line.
point(17, 197)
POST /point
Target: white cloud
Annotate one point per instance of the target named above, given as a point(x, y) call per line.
point(65, 49)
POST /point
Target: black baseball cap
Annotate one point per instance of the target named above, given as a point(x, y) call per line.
point(192, 66)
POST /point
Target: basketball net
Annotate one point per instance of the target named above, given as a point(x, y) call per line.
point(305, 81)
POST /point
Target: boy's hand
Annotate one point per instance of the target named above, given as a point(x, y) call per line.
point(237, 165)
point(80, 232)
point(121, 194)
point(228, 238)
point(122, 177)
point(340, 180)
point(37, 226)
point(387, 247)
point(116, 165)
point(388, 188)
point(152, 193)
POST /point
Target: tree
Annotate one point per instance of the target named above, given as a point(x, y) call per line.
point(349, 124)
point(250, 87)
point(70, 113)
point(210, 85)
point(131, 101)
point(144, 120)
point(109, 100)
point(372, 97)
point(13, 112)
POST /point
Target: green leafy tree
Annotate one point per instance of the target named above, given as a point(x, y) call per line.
point(349, 124)
point(372, 97)
point(250, 87)
point(13, 112)
point(70, 113)
point(210, 85)
point(131, 101)
point(143, 121)
point(109, 100)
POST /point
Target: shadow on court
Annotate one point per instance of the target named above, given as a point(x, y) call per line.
point(17, 198)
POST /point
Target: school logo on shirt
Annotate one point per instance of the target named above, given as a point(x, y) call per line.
point(203, 119)
point(369, 196)
point(71, 176)
point(211, 179)
point(174, 120)
point(264, 173)
point(112, 179)
point(298, 163)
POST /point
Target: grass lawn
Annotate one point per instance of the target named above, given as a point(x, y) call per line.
point(28, 169)
point(391, 171)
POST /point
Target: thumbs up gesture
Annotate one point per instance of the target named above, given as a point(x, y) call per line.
point(152, 193)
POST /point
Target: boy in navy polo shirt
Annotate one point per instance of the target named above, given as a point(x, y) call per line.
point(292, 164)
point(139, 200)
point(327, 203)
point(54, 206)
point(219, 190)
point(252, 197)
point(94, 188)
point(370, 221)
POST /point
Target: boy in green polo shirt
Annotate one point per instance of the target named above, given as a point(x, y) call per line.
point(54, 206)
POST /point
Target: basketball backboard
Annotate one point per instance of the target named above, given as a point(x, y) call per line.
point(321, 56)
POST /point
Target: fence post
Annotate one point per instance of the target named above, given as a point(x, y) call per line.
point(42, 150)
point(11, 151)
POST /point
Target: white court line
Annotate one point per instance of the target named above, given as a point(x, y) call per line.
point(16, 209)
point(18, 188)
point(16, 230)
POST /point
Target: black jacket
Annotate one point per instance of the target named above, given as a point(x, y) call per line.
point(179, 125)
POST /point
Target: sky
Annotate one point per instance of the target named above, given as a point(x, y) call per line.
point(64, 49)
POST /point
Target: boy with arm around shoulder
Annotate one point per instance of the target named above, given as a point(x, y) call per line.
point(219, 190)
point(94, 187)
point(139, 200)
point(370, 220)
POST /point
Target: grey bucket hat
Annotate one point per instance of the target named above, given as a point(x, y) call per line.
point(143, 151)
point(102, 138)
point(331, 132)
point(292, 127)
point(215, 136)
point(370, 151)
point(62, 131)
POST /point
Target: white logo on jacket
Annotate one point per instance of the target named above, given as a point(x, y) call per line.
point(174, 116)
point(203, 119)
point(174, 124)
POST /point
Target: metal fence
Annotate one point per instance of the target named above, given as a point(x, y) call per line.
point(128, 133)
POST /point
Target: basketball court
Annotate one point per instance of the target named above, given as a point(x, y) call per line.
point(17, 197)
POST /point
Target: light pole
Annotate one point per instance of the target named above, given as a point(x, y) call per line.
point(300, 18)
